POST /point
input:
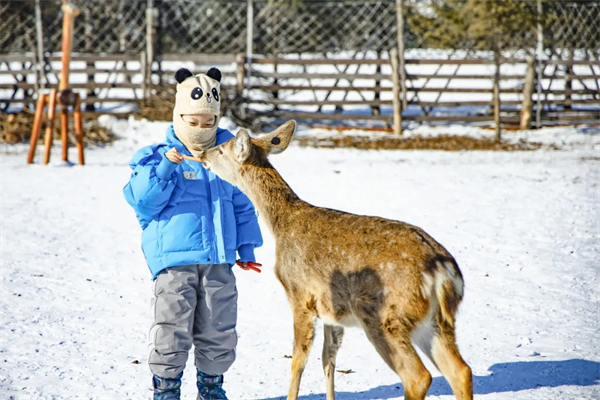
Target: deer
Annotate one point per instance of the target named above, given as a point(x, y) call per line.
point(387, 277)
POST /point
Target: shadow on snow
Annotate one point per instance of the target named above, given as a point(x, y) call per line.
point(505, 377)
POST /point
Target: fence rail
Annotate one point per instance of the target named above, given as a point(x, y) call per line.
point(328, 58)
point(300, 91)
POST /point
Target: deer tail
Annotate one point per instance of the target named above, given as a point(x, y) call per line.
point(449, 288)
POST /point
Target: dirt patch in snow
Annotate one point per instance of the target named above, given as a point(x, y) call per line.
point(442, 142)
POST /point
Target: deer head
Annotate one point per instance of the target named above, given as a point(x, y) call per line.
point(229, 159)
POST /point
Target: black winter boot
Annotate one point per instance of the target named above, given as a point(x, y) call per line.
point(210, 387)
point(167, 388)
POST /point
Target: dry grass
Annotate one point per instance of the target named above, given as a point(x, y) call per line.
point(159, 106)
point(443, 142)
point(16, 128)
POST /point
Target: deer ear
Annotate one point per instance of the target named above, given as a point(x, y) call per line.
point(278, 140)
point(241, 145)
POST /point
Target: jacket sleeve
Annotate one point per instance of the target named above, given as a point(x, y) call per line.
point(248, 230)
point(150, 185)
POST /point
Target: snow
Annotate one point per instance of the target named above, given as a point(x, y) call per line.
point(524, 227)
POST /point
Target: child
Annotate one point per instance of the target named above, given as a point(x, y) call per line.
point(193, 223)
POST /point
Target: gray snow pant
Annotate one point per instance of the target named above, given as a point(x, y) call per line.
point(193, 304)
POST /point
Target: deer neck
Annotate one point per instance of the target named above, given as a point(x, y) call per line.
point(272, 197)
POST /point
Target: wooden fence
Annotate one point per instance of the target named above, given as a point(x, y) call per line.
point(341, 90)
point(115, 78)
point(289, 92)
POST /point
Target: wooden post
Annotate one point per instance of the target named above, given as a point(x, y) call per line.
point(89, 41)
point(91, 79)
point(40, 45)
point(402, 66)
point(79, 129)
point(70, 12)
point(37, 124)
point(49, 126)
point(240, 61)
point(528, 87)
point(249, 37)
point(376, 109)
point(396, 92)
point(64, 132)
point(151, 23)
point(569, 81)
point(144, 72)
point(275, 93)
point(496, 99)
point(540, 67)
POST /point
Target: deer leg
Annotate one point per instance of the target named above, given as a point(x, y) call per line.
point(445, 355)
point(331, 344)
point(436, 339)
point(392, 342)
point(304, 332)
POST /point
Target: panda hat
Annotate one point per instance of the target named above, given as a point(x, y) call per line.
point(197, 94)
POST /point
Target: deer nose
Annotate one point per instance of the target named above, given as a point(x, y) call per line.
point(208, 97)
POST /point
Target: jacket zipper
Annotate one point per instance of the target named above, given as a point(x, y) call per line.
point(211, 227)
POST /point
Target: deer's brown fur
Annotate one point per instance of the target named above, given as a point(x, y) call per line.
point(388, 277)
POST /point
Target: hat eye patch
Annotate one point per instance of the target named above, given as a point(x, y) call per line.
point(197, 93)
point(215, 94)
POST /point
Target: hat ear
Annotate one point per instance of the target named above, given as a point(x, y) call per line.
point(215, 74)
point(182, 74)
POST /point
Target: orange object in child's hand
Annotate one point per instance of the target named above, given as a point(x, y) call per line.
point(249, 266)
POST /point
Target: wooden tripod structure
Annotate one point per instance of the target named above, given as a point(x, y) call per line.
point(64, 96)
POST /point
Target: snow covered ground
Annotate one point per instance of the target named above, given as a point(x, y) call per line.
point(524, 227)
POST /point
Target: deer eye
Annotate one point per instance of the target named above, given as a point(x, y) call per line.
point(215, 94)
point(197, 93)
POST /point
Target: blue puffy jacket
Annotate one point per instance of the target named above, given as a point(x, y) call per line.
point(188, 214)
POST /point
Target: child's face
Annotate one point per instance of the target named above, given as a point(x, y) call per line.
point(199, 120)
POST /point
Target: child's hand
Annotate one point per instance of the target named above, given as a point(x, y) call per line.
point(174, 156)
point(247, 265)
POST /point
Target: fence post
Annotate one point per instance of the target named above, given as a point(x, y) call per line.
point(496, 100)
point(396, 92)
point(400, 25)
point(376, 108)
point(240, 60)
point(144, 72)
point(528, 88)
point(89, 41)
point(151, 23)
point(569, 81)
point(540, 69)
point(40, 45)
point(249, 37)
point(240, 64)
